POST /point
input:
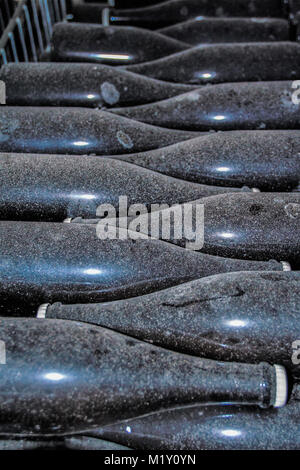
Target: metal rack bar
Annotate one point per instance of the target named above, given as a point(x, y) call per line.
point(26, 28)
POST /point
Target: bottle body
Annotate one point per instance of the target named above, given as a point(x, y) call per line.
point(63, 443)
point(79, 42)
point(132, 3)
point(203, 30)
point(77, 131)
point(268, 160)
point(171, 12)
point(83, 376)
point(73, 263)
point(219, 317)
point(222, 63)
point(56, 187)
point(86, 85)
point(211, 428)
point(259, 226)
point(228, 106)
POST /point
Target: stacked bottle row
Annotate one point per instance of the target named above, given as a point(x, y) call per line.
point(122, 339)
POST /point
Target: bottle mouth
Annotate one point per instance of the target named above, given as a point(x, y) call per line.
point(105, 17)
point(42, 310)
point(281, 395)
point(111, 3)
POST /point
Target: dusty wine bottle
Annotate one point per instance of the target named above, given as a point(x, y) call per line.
point(13, 443)
point(126, 3)
point(86, 85)
point(259, 226)
point(78, 185)
point(219, 317)
point(202, 30)
point(89, 443)
point(129, 3)
point(268, 160)
point(171, 12)
point(77, 442)
point(210, 427)
point(255, 226)
point(228, 106)
point(84, 376)
point(78, 131)
point(74, 263)
point(78, 42)
point(221, 63)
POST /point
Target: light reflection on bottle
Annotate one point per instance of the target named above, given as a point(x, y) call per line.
point(223, 168)
point(237, 323)
point(102, 56)
point(93, 271)
point(206, 75)
point(80, 143)
point(113, 56)
point(219, 117)
point(230, 432)
point(227, 235)
point(54, 376)
point(83, 196)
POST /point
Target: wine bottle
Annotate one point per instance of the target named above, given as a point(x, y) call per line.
point(74, 263)
point(78, 131)
point(77, 42)
point(220, 63)
point(202, 30)
point(210, 427)
point(110, 3)
point(55, 187)
point(258, 226)
point(90, 443)
point(228, 106)
point(84, 376)
point(67, 443)
point(253, 226)
point(129, 3)
point(219, 317)
point(87, 85)
point(268, 160)
point(261, 226)
point(176, 11)
point(14, 443)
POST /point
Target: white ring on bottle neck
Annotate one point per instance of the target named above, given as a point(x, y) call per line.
point(105, 17)
point(281, 386)
point(42, 310)
point(285, 266)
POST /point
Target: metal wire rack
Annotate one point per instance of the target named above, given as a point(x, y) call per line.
point(26, 28)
